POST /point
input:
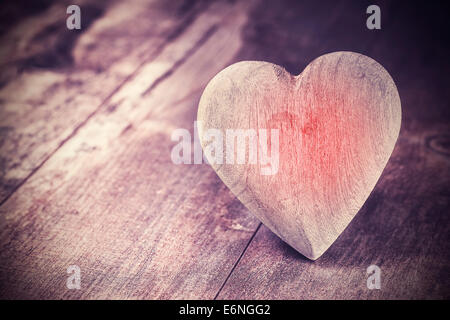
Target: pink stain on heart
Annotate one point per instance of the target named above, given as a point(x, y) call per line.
point(318, 144)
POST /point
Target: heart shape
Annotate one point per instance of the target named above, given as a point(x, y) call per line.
point(335, 126)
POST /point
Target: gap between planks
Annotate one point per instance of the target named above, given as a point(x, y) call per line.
point(237, 261)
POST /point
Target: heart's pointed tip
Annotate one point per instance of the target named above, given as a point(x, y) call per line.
point(314, 250)
point(313, 255)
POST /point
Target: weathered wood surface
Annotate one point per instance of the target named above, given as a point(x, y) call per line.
point(111, 201)
point(54, 79)
point(86, 175)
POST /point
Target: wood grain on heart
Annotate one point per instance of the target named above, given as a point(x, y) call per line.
point(337, 124)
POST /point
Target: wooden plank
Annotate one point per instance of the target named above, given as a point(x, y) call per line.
point(111, 201)
point(53, 79)
point(404, 225)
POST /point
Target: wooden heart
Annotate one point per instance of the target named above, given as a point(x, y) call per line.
point(337, 124)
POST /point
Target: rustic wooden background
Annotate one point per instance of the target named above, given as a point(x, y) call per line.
point(86, 177)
